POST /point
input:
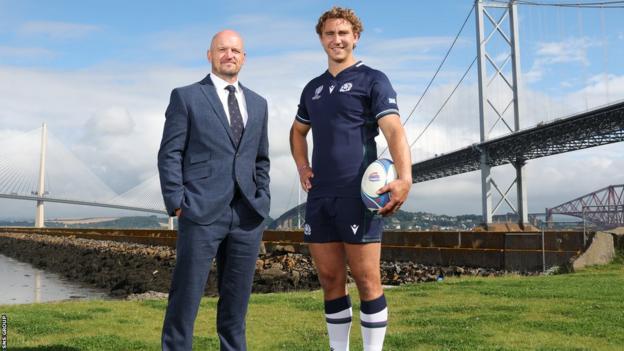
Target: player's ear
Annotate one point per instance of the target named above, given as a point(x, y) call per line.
point(209, 55)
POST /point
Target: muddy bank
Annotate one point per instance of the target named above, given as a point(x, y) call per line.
point(125, 268)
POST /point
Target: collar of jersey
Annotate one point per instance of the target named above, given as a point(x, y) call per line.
point(352, 67)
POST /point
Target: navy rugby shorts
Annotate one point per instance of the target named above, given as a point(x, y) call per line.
point(339, 219)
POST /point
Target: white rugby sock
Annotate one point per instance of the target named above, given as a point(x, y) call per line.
point(374, 319)
point(338, 317)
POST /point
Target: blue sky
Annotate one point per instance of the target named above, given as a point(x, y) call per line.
point(81, 34)
point(99, 73)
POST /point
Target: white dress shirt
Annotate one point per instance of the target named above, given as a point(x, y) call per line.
point(220, 85)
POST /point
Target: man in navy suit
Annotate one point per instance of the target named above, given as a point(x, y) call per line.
point(214, 174)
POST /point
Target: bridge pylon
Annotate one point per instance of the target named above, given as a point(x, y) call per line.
point(39, 214)
point(491, 112)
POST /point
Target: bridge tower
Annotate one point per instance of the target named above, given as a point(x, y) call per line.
point(39, 217)
point(491, 113)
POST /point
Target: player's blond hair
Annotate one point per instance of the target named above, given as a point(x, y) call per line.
point(342, 13)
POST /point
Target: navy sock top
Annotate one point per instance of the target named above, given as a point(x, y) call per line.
point(373, 306)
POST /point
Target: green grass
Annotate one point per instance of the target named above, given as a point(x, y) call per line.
point(580, 311)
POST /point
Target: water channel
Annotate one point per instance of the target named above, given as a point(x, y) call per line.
point(22, 283)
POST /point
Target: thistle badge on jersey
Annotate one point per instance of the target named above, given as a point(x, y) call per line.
point(346, 87)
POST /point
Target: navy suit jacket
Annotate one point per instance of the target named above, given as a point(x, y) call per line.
point(198, 162)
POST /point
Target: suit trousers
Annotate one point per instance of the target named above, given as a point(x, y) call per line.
point(234, 240)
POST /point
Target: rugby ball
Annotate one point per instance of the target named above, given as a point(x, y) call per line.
point(376, 176)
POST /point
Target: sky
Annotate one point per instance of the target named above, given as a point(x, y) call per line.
point(100, 74)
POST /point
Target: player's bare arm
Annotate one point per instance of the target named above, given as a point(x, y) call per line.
point(299, 150)
point(394, 133)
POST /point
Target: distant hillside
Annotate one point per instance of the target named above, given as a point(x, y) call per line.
point(135, 222)
point(401, 220)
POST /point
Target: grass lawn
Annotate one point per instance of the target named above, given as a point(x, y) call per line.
point(580, 311)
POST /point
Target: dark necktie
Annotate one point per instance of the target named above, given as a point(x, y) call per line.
point(236, 118)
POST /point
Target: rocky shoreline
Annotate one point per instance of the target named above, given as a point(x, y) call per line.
point(143, 271)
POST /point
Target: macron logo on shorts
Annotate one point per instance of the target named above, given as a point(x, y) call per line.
point(354, 228)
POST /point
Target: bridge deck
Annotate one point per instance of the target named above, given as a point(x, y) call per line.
point(597, 127)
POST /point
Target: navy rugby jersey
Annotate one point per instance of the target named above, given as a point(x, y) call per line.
point(343, 112)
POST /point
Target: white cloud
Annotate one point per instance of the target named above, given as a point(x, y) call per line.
point(285, 32)
point(548, 179)
point(111, 116)
point(188, 43)
point(570, 50)
point(412, 44)
point(29, 53)
point(110, 122)
point(56, 30)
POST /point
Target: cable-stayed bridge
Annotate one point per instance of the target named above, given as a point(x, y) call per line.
point(444, 146)
point(62, 178)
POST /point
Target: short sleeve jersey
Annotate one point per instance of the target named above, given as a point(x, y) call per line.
point(343, 112)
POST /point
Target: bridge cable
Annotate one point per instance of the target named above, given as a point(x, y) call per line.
point(579, 17)
point(595, 5)
point(444, 104)
point(436, 72)
point(605, 52)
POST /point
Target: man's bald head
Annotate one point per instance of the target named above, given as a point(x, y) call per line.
point(226, 34)
point(227, 54)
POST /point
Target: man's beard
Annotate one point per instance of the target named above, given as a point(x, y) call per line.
point(227, 72)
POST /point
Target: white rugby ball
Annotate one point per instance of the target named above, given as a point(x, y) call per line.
point(377, 175)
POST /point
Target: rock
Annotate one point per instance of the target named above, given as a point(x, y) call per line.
point(272, 273)
point(262, 249)
point(126, 269)
point(295, 276)
point(149, 295)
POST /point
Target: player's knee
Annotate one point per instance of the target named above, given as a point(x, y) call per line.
point(368, 285)
point(331, 278)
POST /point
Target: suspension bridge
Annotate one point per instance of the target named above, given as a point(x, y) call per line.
point(516, 125)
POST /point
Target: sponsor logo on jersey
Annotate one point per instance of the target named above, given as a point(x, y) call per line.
point(354, 228)
point(392, 100)
point(346, 87)
point(317, 93)
point(331, 88)
point(307, 230)
point(374, 177)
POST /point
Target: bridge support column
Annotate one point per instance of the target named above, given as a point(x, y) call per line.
point(548, 217)
point(39, 214)
point(486, 190)
point(170, 223)
point(493, 109)
point(523, 213)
